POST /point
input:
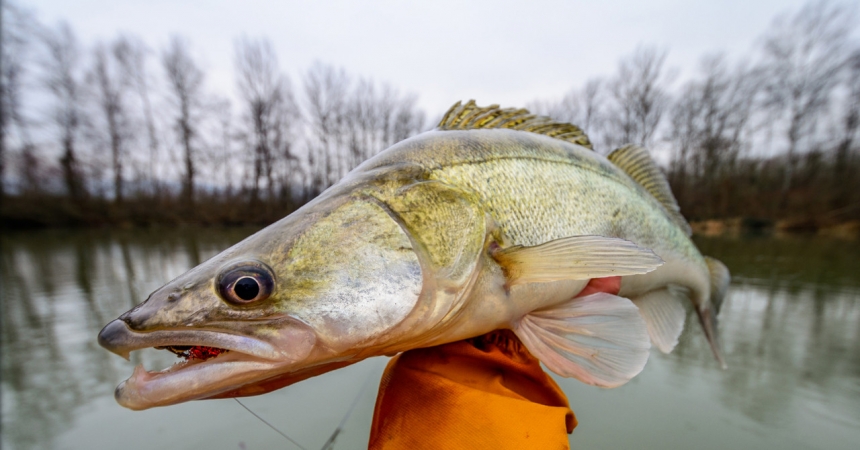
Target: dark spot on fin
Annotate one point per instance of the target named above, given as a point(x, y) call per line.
point(470, 116)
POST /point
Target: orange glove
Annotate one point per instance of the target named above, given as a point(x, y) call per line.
point(487, 392)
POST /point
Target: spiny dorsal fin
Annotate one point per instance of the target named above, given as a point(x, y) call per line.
point(637, 163)
point(470, 116)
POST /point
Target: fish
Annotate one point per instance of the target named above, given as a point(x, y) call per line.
point(495, 219)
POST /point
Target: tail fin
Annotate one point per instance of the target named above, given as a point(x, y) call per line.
point(709, 324)
point(719, 277)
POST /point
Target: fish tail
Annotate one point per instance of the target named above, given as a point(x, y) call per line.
point(709, 324)
point(708, 311)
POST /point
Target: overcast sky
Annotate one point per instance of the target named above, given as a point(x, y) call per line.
point(443, 51)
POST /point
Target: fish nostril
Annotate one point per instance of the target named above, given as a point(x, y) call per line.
point(126, 318)
point(133, 317)
point(173, 296)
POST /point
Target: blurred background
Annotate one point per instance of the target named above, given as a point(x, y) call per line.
point(141, 137)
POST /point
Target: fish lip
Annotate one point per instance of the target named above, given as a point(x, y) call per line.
point(119, 338)
point(193, 380)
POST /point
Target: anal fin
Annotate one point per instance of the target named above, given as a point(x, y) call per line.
point(664, 315)
point(599, 339)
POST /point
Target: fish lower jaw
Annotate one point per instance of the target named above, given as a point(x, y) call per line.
point(217, 362)
point(193, 379)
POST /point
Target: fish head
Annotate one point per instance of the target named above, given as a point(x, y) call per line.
point(303, 296)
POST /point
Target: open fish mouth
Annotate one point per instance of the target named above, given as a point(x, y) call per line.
point(213, 361)
point(193, 352)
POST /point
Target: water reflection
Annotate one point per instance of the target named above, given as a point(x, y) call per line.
point(790, 328)
point(58, 289)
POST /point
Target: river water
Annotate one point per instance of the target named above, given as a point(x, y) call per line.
point(790, 328)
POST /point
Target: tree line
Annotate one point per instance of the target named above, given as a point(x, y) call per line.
point(117, 132)
point(771, 135)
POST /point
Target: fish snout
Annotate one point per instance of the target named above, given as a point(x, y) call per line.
point(163, 308)
point(133, 318)
point(115, 338)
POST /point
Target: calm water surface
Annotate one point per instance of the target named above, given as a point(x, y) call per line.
point(790, 327)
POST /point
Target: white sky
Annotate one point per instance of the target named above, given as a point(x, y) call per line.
point(443, 51)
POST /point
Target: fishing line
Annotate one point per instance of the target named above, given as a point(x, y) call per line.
point(270, 425)
point(329, 444)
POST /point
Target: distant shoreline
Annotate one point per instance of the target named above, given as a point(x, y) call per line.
point(849, 229)
point(22, 213)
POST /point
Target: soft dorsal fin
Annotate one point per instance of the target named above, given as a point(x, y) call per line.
point(470, 116)
point(637, 163)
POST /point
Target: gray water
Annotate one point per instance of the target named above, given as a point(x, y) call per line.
point(790, 327)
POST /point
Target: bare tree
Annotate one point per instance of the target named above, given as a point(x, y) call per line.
point(378, 117)
point(367, 115)
point(15, 44)
point(109, 85)
point(131, 54)
point(60, 71)
point(802, 57)
point(222, 151)
point(844, 165)
point(270, 111)
point(185, 81)
point(583, 107)
point(409, 120)
point(640, 97)
point(326, 90)
point(350, 121)
point(709, 122)
point(591, 101)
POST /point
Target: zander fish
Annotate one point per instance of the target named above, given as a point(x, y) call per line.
point(496, 219)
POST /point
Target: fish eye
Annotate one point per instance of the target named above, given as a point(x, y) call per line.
point(245, 283)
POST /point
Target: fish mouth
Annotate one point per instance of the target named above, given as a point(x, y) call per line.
point(215, 361)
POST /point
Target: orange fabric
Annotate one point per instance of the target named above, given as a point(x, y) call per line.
point(483, 393)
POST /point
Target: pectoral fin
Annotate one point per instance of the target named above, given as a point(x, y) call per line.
point(599, 339)
point(575, 258)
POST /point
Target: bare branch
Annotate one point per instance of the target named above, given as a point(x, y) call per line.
point(185, 80)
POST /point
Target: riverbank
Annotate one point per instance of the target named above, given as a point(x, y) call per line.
point(849, 229)
point(49, 211)
point(45, 211)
